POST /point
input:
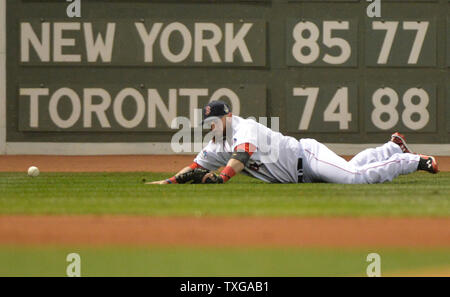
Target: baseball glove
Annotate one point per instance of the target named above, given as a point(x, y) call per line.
point(195, 176)
point(215, 179)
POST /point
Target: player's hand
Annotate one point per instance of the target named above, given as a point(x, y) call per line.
point(159, 182)
point(210, 175)
point(212, 178)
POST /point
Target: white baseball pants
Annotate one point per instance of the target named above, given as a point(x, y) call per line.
point(370, 166)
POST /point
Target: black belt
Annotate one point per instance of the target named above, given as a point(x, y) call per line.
point(300, 170)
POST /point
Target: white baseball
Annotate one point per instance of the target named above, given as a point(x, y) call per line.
point(33, 171)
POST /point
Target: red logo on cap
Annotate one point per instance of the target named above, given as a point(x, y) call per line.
point(207, 110)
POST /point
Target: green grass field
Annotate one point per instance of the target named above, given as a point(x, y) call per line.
point(419, 194)
point(51, 261)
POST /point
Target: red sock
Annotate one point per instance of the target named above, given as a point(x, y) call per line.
point(227, 173)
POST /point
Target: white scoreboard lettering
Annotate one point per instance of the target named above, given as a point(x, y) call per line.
point(407, 43)
point(312, 42)
point(322, 107)
point(405, 107)
point(143, 42)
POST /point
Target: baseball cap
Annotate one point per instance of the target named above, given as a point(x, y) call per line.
point(214, 110)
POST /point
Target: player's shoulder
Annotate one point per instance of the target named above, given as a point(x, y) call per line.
point(244, 124)
point(245, 130)
point(211, 146)
point(214, 147)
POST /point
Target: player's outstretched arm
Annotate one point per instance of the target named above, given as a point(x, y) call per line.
point(235, 165)
point(172, 180)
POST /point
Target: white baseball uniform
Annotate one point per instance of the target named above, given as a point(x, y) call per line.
point(276, 158)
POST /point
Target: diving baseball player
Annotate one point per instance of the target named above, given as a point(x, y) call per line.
point(245, 146)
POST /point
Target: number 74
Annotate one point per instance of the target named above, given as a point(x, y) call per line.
point(331, 113)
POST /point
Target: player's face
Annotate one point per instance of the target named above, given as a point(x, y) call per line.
point(219, 126)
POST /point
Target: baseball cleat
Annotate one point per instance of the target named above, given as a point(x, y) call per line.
point(428, 163)
point(399, 139)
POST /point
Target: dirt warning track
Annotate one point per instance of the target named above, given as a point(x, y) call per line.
point(226, 231)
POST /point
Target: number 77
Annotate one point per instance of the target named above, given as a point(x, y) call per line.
point(391, 28)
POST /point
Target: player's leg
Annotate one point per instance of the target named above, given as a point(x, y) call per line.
point(320, 164)
point(397, 144)
point(387, 170)
point(398, 164)
point(377, 154)
point(323, 165)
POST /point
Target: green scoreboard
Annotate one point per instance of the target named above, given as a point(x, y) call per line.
point(126, 70)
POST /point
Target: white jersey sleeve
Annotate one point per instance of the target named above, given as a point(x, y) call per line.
point(248, 133)
point(276, 156)
point(209, 158)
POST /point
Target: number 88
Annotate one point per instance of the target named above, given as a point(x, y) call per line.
point(410, 108)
